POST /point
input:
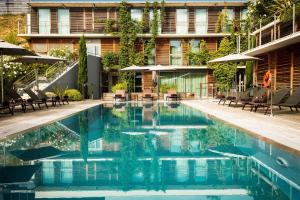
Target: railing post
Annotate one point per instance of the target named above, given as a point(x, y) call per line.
point(260, 32)
point(294, 18)
point(275, 32)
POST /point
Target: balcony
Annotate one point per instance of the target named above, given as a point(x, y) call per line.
point(271, 34)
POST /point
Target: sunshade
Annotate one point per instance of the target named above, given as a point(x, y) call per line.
point(160, 68)
point(42, 59)
point(11, 50)
point(234, 58)
point(134, 68)
point(17, 174)
point(35, 154)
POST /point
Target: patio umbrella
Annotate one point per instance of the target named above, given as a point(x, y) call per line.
point(134, 68)
point(12, 50)
point(41, 59)
point(237, 57)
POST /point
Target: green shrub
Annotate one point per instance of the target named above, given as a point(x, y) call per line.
point(165, 87)
point(120, 86)
point(73, 94)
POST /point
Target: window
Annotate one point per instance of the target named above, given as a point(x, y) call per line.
point(243, 16)
point(159, 22)
point(230, 17)
point(44, 21)
point(137, 14)
point(201, 21)
point(151, 57)
point(182, 21)
point(93, 47)
point(63, 21)
point(175, 52)
point(194, 47)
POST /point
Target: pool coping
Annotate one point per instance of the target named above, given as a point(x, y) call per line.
point(282, 140)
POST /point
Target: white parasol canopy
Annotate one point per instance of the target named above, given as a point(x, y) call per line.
point(42, 59)
point(160, 68)
point(234, 58)
point(134, 68)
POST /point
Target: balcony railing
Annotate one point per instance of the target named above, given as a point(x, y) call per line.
point(200, 28)
point(271, 29)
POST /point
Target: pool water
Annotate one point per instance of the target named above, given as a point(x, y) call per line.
point(145, 151)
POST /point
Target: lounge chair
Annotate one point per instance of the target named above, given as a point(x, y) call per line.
point(120, 94)
point(258, 97)
point(241, 97)
point(277, 99)
point(7, 105)
point(230, 97)
point(53, 100)
point(221, 97)
point(147, 94)
point(172, 94)
point(18, 100)
point(36, 99)
point(293, 101)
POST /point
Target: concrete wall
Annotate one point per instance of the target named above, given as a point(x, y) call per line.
point(69, 79)
point(94, 72)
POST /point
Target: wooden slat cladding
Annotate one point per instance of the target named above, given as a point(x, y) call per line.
point(266, 36)
point(88, 20)
point(283, 69)
point(237, 13)
point(147, 80)
point(185, 48)
point(100, 14)
point(169, 23)
point(162, 52)
point(212, 44)
point(34, 21)
point(191, 20)
point(296, 82)
point(109, 45)
point(210, 82)
point(54, 20)
point(213, 14)
point(77, 20)
point(262, 68)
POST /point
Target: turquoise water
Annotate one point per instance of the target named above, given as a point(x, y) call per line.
point(168, 150)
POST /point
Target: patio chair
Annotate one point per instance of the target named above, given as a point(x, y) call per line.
point(18, 100)
point(258, 97)
point(277, 99)
point(221, 97)
point(293, 101)
point(53, 100)
point(7, 105)
point(36, 99)
point(147, 94)
point(120, 94)
point(172, 94)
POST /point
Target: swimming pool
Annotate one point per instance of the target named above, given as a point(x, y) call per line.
point(137, 151)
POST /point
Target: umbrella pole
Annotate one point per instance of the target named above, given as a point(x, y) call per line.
point(2, 82)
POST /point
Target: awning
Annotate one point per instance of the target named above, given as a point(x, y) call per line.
point(234, 58)
point(42, 59)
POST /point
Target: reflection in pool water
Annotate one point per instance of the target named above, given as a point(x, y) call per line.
point(149, 149)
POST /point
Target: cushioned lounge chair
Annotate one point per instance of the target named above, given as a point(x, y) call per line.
point(7, 106)
point(258, 97)
point(120, 94)
point(172, 94)
point(36, 100)
point(147, 94)
point(277, 99)
point(18, 100)
point(293, 101)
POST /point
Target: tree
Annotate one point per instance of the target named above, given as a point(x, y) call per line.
point(224, 72)
point(82, 67)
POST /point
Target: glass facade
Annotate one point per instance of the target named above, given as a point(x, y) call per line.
point(44, 21)
point(182, 21)
point(63, 21)
point(136, 14)
point(175, 52)
point(185, 81)
point(201, 21)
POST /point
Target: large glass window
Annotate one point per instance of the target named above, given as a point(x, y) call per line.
point(194, 46)
point(44, 21)
point(151, 57)
point(182, 21)
point(175, 52)
point(229, 13)
point(63, 21)
point(159, 22)
point(201, 21)
point(137, 14)
point(93, 47)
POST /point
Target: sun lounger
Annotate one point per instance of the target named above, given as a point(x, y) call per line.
point(18, 100)
point(35, 98)
point(172, 94)
point(293, 101)
point(258, 97)
point(277, 99)
point(120, 94)
point(147, 94)
point(7, 105)
point(53, 100)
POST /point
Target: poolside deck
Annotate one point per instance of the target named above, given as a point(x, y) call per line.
point(21, 122)
point(282, 128)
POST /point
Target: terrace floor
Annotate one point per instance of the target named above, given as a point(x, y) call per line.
point(283, 128)
point(21, 122)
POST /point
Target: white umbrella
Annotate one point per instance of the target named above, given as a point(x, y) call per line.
point(42, 59)
point(234, 58)
point(134, 68)
point(9, 49)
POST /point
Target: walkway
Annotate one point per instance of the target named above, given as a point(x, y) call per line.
point(22, 122)
point(283, 128)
